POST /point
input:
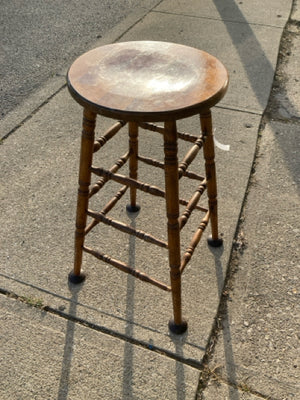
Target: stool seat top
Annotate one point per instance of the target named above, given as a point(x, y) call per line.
point(147, 81)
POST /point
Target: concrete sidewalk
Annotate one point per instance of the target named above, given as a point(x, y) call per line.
point(109, 338)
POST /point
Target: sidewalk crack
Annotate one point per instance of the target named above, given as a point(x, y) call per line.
point(33, 112)
point(38, 303)
point(216, 19)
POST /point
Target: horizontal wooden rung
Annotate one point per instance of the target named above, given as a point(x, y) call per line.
point(194, 242)
point(126, 268)
point(151, 161)
point(101, 182)
point(107, 208)
point(161, 165)
point(127, 229)
point(125, 180)
point(185, 203)
point(192, 204)
point(160, 129)
point(193, 175)
point(109, 134)
point(190, 156)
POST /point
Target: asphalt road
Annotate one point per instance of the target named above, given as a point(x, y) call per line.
point(40, 37)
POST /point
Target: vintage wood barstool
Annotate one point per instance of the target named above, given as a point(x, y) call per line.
point(140, 83)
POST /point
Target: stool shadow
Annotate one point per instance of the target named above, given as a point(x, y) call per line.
point(226, 332)
point(129, 317)
point(127, 392)
point(247, 35)
point(179, 369)
point(256, 79)
point(69, 344)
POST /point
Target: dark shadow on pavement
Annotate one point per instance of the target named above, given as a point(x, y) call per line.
point(179, 370)
point(127, 393)
point(228, 349)
point(129, 332)
point(248, 47)
point(255, 61)
point(69, 344)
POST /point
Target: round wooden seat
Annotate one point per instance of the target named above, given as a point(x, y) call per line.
point(147, 81)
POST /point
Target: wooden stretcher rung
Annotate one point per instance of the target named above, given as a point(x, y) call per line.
point(161, 165)
point(107, 208)
point(193, 175)
point(160, 129)
point(190, 156)
point(194, 242)
point(126, 268)
point(127, 229)
point(101, 182)
point(125, 180)
point(192, 204)
point(109, 134)
point(151, 161)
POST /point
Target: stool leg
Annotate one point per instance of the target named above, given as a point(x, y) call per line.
point(178, 325)
point(86, 156)
point(209, 155)
point(133, 165)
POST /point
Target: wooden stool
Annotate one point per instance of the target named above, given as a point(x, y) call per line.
point(140, 83)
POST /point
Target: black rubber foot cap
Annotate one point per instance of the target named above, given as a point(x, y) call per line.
point(178, 329)
point(76, 279)
point(133, 209)
point(215, 242)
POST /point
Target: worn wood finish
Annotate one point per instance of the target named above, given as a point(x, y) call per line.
point(141, 83)
point(147, 81)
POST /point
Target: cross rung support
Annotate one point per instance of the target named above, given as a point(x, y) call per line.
point(101, 182)
point(127, 229)
point(192, 204)
point(190, 156)
point(185, 203)
point(161, 165)
point(109, 134)
point(107, 208)
point(125, 180)
point(126, 268)
point(152, 127)
point(152, 162)
point(194, 242)
point(160, 129)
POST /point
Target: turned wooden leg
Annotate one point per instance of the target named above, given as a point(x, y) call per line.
point(178, 325)
point(86, 156)
point(209, 155)
point(133, 165)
